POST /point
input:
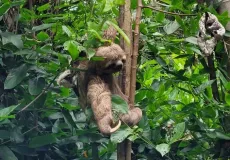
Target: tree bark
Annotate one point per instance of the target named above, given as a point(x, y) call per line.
point(135, 53)
point(225, 6)
point(124, 148)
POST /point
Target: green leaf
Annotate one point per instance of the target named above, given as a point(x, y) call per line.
point(90, 53)
point(8, 37)
point(147, 12)
point(120, 135)
point(15, 76)
point(227, 86)
point(16, 135)
point(227, 98)
point(43, 140)
point(160, 17)
point(42, 27)
point(119, 104)
point(67, 31)
point(178, 132)
point(4, 134)
point(108, 5)
point(36, 85)
point(202, 87)
point(171, 27)
point(24, 150)
point(163, 148)
point(120, 2)
point(56, 126)
point(4, 8)
point(192, 40)
point(44, 7)
point(6, 111)
point(42, 36)
point(222, 136)
point(7, 154)
point(39, 103)
point(72, 48)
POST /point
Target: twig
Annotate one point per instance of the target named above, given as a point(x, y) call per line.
point(38, 96)
point(166, 12)
point(22, 134)
point(212, 76)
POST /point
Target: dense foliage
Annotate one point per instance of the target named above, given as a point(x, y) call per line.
point(41, 120)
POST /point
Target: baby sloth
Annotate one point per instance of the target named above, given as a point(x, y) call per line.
point(96, 85)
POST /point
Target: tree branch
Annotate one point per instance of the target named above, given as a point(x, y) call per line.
point(172, 13)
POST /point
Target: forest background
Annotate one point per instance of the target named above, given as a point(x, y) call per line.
point(185, 110)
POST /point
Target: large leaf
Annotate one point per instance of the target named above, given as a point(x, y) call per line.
point(36, 85)
point(171, 27)
point(40, 141)
point(7, 154)
point(227, 98)
point(4, 113)
point(4, 134)
point(42, 27)
point(163, 148)
point(4, 8)
point(72, 48)
point(44, 7)
point(119, 105)
point(120, 135)
point(202, 87)
point(15, 76)
point(67, 31)
point(108, 5)
point(8, 37)
point(178, 132)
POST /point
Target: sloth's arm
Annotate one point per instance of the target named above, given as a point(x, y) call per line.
point(99, 96)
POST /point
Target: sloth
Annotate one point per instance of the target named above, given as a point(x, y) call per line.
point(97, 83)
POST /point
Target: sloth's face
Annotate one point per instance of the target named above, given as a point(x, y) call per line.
point(114, 59)
point(114, 66)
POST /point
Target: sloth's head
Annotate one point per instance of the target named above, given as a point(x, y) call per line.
point(114, 59)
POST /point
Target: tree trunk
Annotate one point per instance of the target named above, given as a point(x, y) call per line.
point(225, 6)
point(124, 148)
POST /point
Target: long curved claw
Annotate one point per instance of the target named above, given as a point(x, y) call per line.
point(116, 127)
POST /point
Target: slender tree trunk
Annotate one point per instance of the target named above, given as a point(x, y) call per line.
point(225, 6)
point(124, 148)
point(135, 53)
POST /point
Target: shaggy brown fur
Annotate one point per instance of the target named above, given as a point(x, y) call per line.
point(98, 84)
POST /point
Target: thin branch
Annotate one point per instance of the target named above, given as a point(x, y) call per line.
point(212, 76)
point(38, 96)
point(166, 12)
point(22, 134)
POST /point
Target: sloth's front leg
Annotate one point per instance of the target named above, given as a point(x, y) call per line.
point(99, 96)
point(66, 79)
point(133, 116)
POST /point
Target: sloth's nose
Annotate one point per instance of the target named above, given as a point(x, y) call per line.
point(119, 65)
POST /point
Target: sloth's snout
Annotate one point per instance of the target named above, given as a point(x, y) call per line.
point(119, 65)
point(114, 66)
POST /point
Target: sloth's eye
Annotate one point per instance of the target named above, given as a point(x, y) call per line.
point(123, 60)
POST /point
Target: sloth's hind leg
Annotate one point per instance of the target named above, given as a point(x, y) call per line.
point(99, 97)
